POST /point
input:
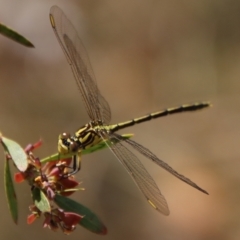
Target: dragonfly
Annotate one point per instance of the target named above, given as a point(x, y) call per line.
point(99, 129)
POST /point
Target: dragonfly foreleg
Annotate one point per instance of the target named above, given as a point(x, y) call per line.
point(76, 165)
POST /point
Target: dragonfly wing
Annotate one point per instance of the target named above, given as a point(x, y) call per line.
point(105, 109)
point(96, 106)
point(161, 163)
point(138, 172)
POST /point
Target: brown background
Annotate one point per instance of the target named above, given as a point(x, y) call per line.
point(146, 55)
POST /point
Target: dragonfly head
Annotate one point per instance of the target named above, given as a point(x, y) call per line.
point(66, 144)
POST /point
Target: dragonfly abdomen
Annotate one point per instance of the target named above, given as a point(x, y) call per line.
point(162, 113)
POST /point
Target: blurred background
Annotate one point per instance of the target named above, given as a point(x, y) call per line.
point(146, 56)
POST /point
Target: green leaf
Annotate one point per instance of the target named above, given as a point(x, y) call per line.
point(99, 146)
point(8, 32)
point(10, 192)
point(90, 220)
point(16, 152)
point(72, 190)
point(40, 200)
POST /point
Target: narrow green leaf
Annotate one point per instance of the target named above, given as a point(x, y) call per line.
point(10, 192)
point(8, 32)
point(40, 200)
point(92, 149)
point(72, 190)
point(90, 220)
point(16, 152)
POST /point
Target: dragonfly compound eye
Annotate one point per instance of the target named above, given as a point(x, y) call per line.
point(73, 147)
point(64, 136)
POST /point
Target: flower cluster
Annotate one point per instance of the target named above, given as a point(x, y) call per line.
point(50, 179)
point(55, 219)
point(52, 182)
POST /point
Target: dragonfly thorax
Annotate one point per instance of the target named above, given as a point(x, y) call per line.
point(84, 137)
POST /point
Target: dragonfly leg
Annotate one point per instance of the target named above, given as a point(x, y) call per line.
point(76, 159)
point(76, 163)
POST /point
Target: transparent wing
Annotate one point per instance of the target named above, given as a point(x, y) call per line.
point(138, 172)
point(161, 163)
point(96, 106)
